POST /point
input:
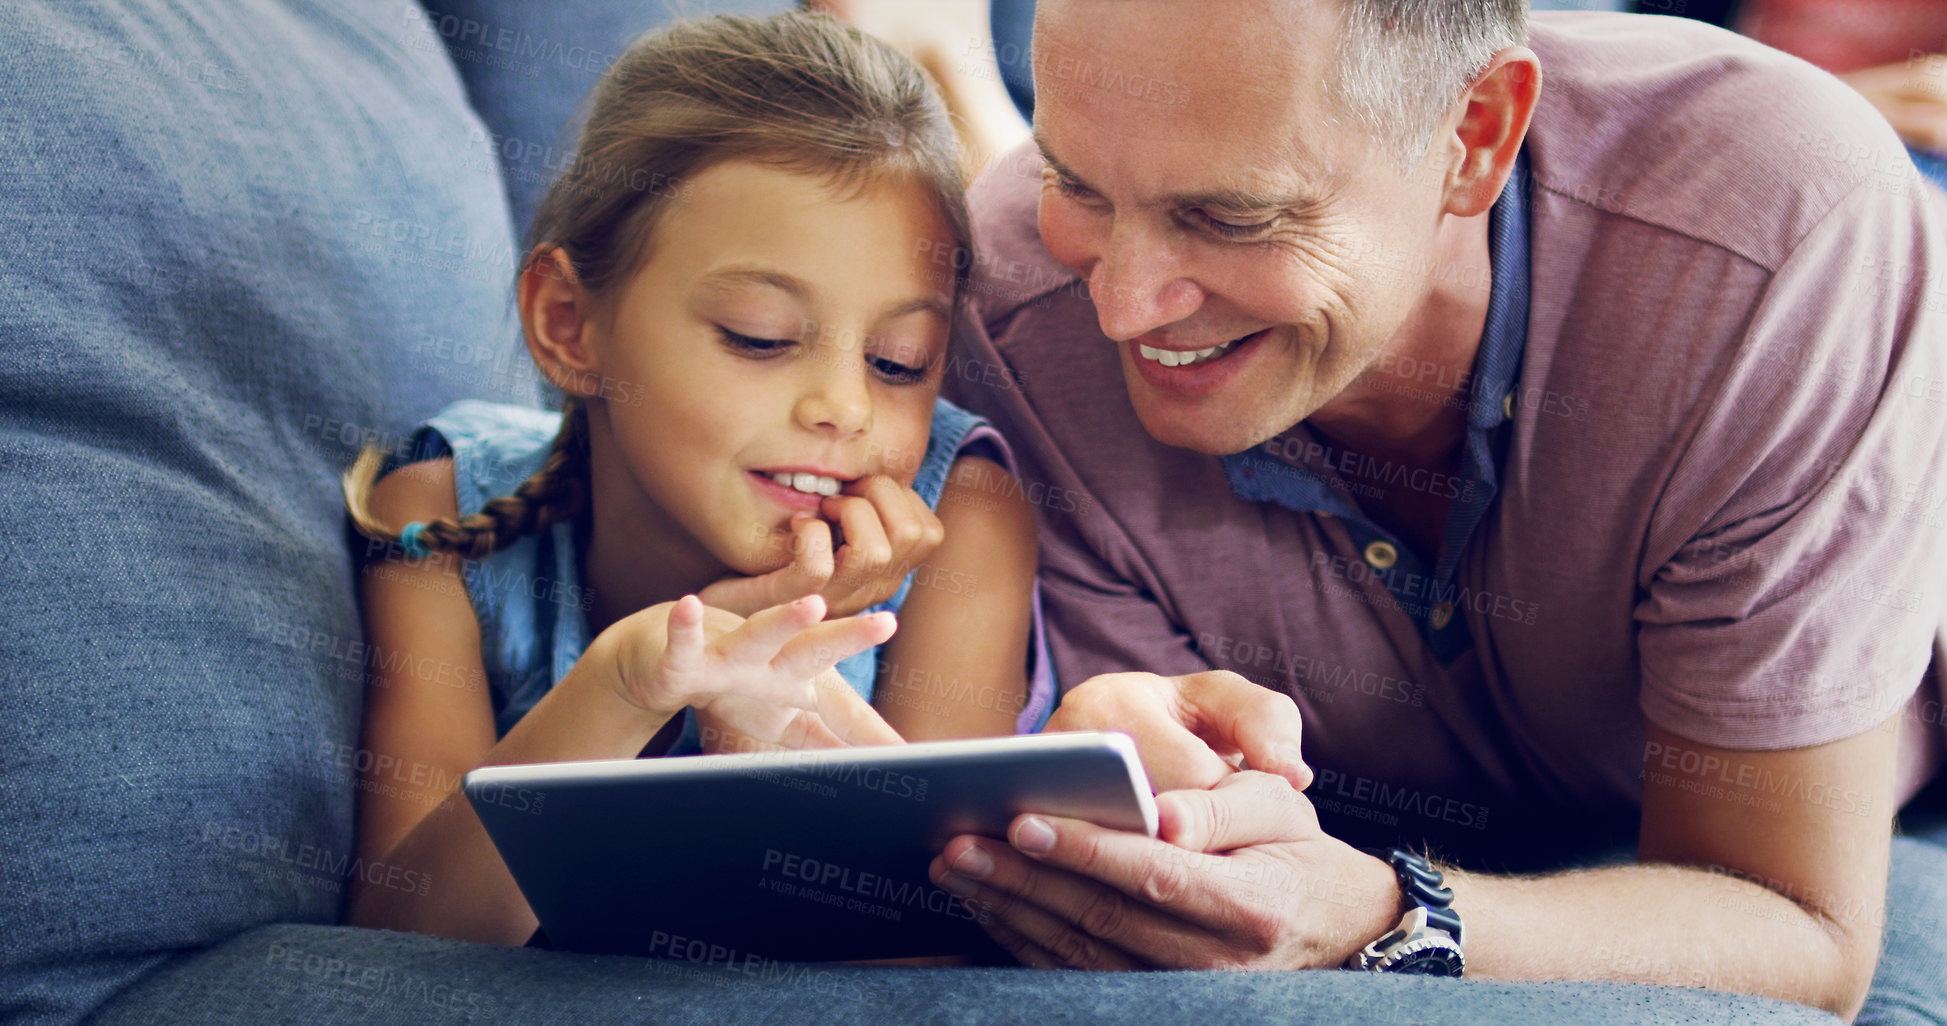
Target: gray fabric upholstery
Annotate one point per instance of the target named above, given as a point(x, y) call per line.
point(250, 236)
point(328, 976)
point(240, 248)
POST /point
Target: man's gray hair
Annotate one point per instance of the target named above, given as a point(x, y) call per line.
point(1402, 63)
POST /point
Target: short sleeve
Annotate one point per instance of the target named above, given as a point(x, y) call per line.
point(1099, 620)
point(1802, 594)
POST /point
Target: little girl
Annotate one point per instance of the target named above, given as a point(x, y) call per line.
point(744, 287)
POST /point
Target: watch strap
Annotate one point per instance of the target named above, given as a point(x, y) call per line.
point(1424, 886)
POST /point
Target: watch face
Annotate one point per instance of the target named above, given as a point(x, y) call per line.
point(1428, 962)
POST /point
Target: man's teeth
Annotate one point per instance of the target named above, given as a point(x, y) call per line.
point(811, 483)
point(1172, 358)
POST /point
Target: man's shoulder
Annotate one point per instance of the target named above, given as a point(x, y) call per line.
point(1701, 132)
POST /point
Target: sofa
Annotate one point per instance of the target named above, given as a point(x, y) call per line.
point(255, 235)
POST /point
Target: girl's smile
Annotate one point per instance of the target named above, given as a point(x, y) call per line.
point(781, 340)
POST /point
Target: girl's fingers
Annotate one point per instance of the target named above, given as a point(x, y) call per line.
point(810, 567)
point(822, 647)
point(684, 652)
point(807, 729)
point(867, 553)
point(758, 724)
point(908, 523)
point(758, 639)
point(849, 716)
point(1922, 123)
point(811, 560)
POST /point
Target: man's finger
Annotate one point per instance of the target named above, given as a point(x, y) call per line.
point(1146, 707)
point(1244, 809)
point(1024, 951)
point(1175, 758)
point(1028, 901)
point(1235, 714)
point(1063, 944)
point(1149, 899)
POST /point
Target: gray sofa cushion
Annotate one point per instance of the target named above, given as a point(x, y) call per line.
point(251, 237)
point(240, 247)
point(528, 65)
point(337, 975)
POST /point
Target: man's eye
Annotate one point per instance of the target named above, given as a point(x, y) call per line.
point(1231, 230)
point(753, 346)
point(1068, 186)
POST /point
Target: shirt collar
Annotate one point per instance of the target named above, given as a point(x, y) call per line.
point(1259, 475)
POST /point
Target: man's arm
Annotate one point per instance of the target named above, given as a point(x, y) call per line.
point(1758, 872)
point(1763, 873)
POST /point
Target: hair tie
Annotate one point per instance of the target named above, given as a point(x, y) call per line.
point(409, 540)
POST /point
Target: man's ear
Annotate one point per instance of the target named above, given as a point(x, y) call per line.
point(557, 317)
point(1494, 118)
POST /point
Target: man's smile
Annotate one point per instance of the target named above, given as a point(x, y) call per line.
point(1194, 371)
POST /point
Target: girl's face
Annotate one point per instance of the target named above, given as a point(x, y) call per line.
point(777, 327)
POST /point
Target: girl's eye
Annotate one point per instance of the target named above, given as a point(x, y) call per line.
point(752, 346)
point(898, 373)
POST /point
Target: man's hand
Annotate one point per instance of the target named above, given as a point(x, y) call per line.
point(1192, 731)
point(1243, 879)
point(887, 530)
point(1912, 94)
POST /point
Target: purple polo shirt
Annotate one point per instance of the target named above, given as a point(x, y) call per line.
point(1720, 500)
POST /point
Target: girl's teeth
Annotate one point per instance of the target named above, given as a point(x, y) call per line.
point(811, 483)
point(1172, 358)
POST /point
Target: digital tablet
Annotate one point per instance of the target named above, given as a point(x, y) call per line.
point(799, 856)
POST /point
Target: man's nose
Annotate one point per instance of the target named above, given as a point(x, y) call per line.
point(1138, 287)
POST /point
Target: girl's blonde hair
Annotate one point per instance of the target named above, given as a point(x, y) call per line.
point(801, 92)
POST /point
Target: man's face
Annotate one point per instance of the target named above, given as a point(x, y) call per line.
point(1212, 193)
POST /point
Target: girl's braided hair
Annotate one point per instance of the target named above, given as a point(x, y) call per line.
point(801, 92)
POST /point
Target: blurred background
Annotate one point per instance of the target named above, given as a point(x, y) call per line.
point(1889, 50)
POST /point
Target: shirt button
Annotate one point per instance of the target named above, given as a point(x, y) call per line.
point(1507, 406)
point(1442, 616)
point(1382, 555)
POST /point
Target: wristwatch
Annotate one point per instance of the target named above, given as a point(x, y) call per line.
point(1427, 940)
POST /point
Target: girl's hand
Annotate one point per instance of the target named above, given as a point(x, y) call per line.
point(849, 719)
point(887, 529)
point(756, 678)
point(809, 570)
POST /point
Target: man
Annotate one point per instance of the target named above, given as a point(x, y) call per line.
point(1542, 429)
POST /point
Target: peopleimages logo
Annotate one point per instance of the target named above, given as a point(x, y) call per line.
point(873, 886)
point(1378, 794)
point(864, 778)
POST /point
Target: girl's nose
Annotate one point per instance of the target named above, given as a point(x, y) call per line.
point(837, 398)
